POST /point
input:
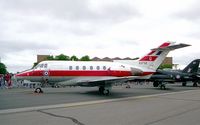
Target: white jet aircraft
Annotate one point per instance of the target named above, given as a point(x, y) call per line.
point(98, 73)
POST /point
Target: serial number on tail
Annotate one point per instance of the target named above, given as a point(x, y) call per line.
point(143, 63)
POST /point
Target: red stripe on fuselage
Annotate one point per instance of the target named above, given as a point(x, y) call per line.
point(65, 73)
point(77, 73)
point(89, 73)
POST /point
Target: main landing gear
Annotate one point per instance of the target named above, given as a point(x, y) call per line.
point(162, 85)
point(184, 83)
point(104, 90)
point(195, 84)
point(38, 90)
point(155, 84)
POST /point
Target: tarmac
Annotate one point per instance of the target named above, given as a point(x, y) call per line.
point(138, 105)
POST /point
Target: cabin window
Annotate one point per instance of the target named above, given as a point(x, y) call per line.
point(84, 67)
point(77, 67)
point(45, 65)
point(70, 68)
point(98, 67)
point(91, 67)
point(104, 67)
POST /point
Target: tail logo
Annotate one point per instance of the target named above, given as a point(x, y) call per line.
point(149, 58)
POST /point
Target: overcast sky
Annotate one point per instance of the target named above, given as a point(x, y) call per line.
point(102, 28)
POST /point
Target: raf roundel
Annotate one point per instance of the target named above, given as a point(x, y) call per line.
point(46, 73)
point(150, 58)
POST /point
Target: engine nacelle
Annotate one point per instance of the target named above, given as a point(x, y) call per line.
point(136, 72)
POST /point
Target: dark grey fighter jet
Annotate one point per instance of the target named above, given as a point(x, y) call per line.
point(189, 73)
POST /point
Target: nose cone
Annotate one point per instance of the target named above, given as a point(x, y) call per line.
point(19, 76)
point(22, 75)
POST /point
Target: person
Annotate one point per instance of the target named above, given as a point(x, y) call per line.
point(8, 79)
point(3, 81)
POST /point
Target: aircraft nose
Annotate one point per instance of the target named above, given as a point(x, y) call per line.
point(22, 75)
point(17, 76)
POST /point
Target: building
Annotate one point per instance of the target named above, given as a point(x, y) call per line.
point(168, 60)
point(167, 63)
point(41, 58)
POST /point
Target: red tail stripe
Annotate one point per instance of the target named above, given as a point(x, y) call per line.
point(149, 58)
point(164, 45)
point(153, 51)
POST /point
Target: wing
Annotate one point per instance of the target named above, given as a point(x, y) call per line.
point(104, 81)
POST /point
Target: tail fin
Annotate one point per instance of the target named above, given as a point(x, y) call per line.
point(192, 67)
point(157, 55)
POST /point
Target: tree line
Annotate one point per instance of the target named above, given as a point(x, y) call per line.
point(3, 69)
point(64, 57)
point(68, 58)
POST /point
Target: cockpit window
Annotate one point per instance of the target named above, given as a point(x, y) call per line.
point(36, 66)
point(41, 66)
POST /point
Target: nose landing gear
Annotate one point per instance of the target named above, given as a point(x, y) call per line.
point(38, 90)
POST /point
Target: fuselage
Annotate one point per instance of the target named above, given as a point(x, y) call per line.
point(77, 71)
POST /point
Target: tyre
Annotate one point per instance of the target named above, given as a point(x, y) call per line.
point(106, 92)
point(183, 83)
point(155, 84)
point(38, 90)
point(195, 84)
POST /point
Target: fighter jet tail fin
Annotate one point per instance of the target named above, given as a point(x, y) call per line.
point(192, 67)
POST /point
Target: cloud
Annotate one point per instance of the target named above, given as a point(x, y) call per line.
point(76, 10)
point(7, 47)
point(75, 17)
point(190, 13)
point(183, 61)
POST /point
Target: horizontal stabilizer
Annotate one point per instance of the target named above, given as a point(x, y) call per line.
point(172, 47)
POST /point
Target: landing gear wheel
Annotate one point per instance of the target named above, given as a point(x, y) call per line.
point(38, 90)
point(155, 84)
point(162, 87)
point(183, 83)
point(195, 84)
point(106, 92)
